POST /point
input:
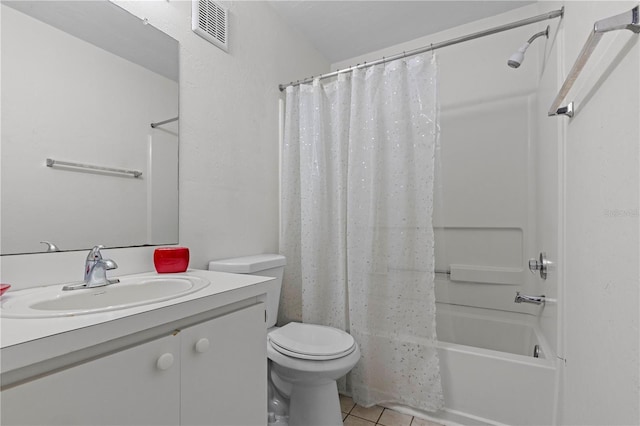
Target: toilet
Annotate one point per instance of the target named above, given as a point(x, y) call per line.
point(305, 360)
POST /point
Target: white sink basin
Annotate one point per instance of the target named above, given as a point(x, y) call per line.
point(52, 301)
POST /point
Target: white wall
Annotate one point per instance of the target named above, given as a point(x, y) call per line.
point(229, 125)
point(602, 224)
point(228, 140)
point(66, 99)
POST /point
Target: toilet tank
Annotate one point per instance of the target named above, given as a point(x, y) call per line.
point(266, 265)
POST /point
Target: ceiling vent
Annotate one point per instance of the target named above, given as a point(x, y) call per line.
point(211, 21)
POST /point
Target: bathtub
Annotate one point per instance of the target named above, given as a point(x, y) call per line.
point(489, 374)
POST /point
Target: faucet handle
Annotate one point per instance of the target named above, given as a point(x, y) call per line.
point(50, 246)
point(95, 254)
point(108, 264)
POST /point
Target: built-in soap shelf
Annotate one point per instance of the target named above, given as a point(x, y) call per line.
point(486, 274)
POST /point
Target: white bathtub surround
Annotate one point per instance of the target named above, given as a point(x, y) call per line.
point(481, 351)
point(488, 370)
point(358, 168)
point(484, 218)
point(585, 174)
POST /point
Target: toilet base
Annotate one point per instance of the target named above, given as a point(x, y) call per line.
point(309, 387)
point(279, 421)
point(277, 403)
point(315, 405)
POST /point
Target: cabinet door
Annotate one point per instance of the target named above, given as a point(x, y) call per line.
point(137, 386)
point(224, 370)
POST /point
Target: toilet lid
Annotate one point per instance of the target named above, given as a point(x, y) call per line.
point(312, 340)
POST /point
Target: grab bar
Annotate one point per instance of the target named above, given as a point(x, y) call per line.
point(51, 163)
point(628, 20)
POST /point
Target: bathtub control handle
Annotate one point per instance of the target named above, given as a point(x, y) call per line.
point(523, 298)
point(541, 264)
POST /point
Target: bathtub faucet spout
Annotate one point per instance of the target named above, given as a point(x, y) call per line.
point(523, 298)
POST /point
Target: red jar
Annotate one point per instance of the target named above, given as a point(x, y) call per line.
point(3, 288)
point(171, 259)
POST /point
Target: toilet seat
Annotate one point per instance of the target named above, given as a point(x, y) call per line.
point(312, 342)
point(311, 357)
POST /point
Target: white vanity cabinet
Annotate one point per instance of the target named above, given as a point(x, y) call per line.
point(224, 370)
point(122, 388)
point(210, 373)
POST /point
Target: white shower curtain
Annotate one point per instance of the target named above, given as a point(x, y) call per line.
point(357, 201)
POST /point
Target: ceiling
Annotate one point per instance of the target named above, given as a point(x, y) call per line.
point(344, 29)
point(109, 27)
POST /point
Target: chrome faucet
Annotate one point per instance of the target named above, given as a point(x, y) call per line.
point(92, 258)
point(95, 271)
point(523, 298)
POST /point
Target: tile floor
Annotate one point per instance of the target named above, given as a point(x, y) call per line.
point(355, 415)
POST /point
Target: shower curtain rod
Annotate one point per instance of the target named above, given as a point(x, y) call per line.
point(434, 46)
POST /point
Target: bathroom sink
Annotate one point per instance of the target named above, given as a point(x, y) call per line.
point(52, 301)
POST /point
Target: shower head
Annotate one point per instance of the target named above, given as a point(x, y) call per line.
point(516, 59)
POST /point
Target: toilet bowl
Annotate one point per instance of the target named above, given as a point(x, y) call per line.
point(305, 360)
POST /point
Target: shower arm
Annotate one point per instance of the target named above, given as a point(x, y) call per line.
point(540, 34)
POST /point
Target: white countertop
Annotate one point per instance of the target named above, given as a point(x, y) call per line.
point(26, 341)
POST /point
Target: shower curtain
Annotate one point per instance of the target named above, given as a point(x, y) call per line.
point(357, 202)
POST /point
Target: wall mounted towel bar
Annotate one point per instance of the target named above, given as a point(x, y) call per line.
point(625, 21)
point(51, 163)
point(160, 123)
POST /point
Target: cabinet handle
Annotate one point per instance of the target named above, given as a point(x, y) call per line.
point(165, 361)
point(202, 345)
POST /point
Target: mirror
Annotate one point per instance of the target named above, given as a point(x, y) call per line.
point(82, 81)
